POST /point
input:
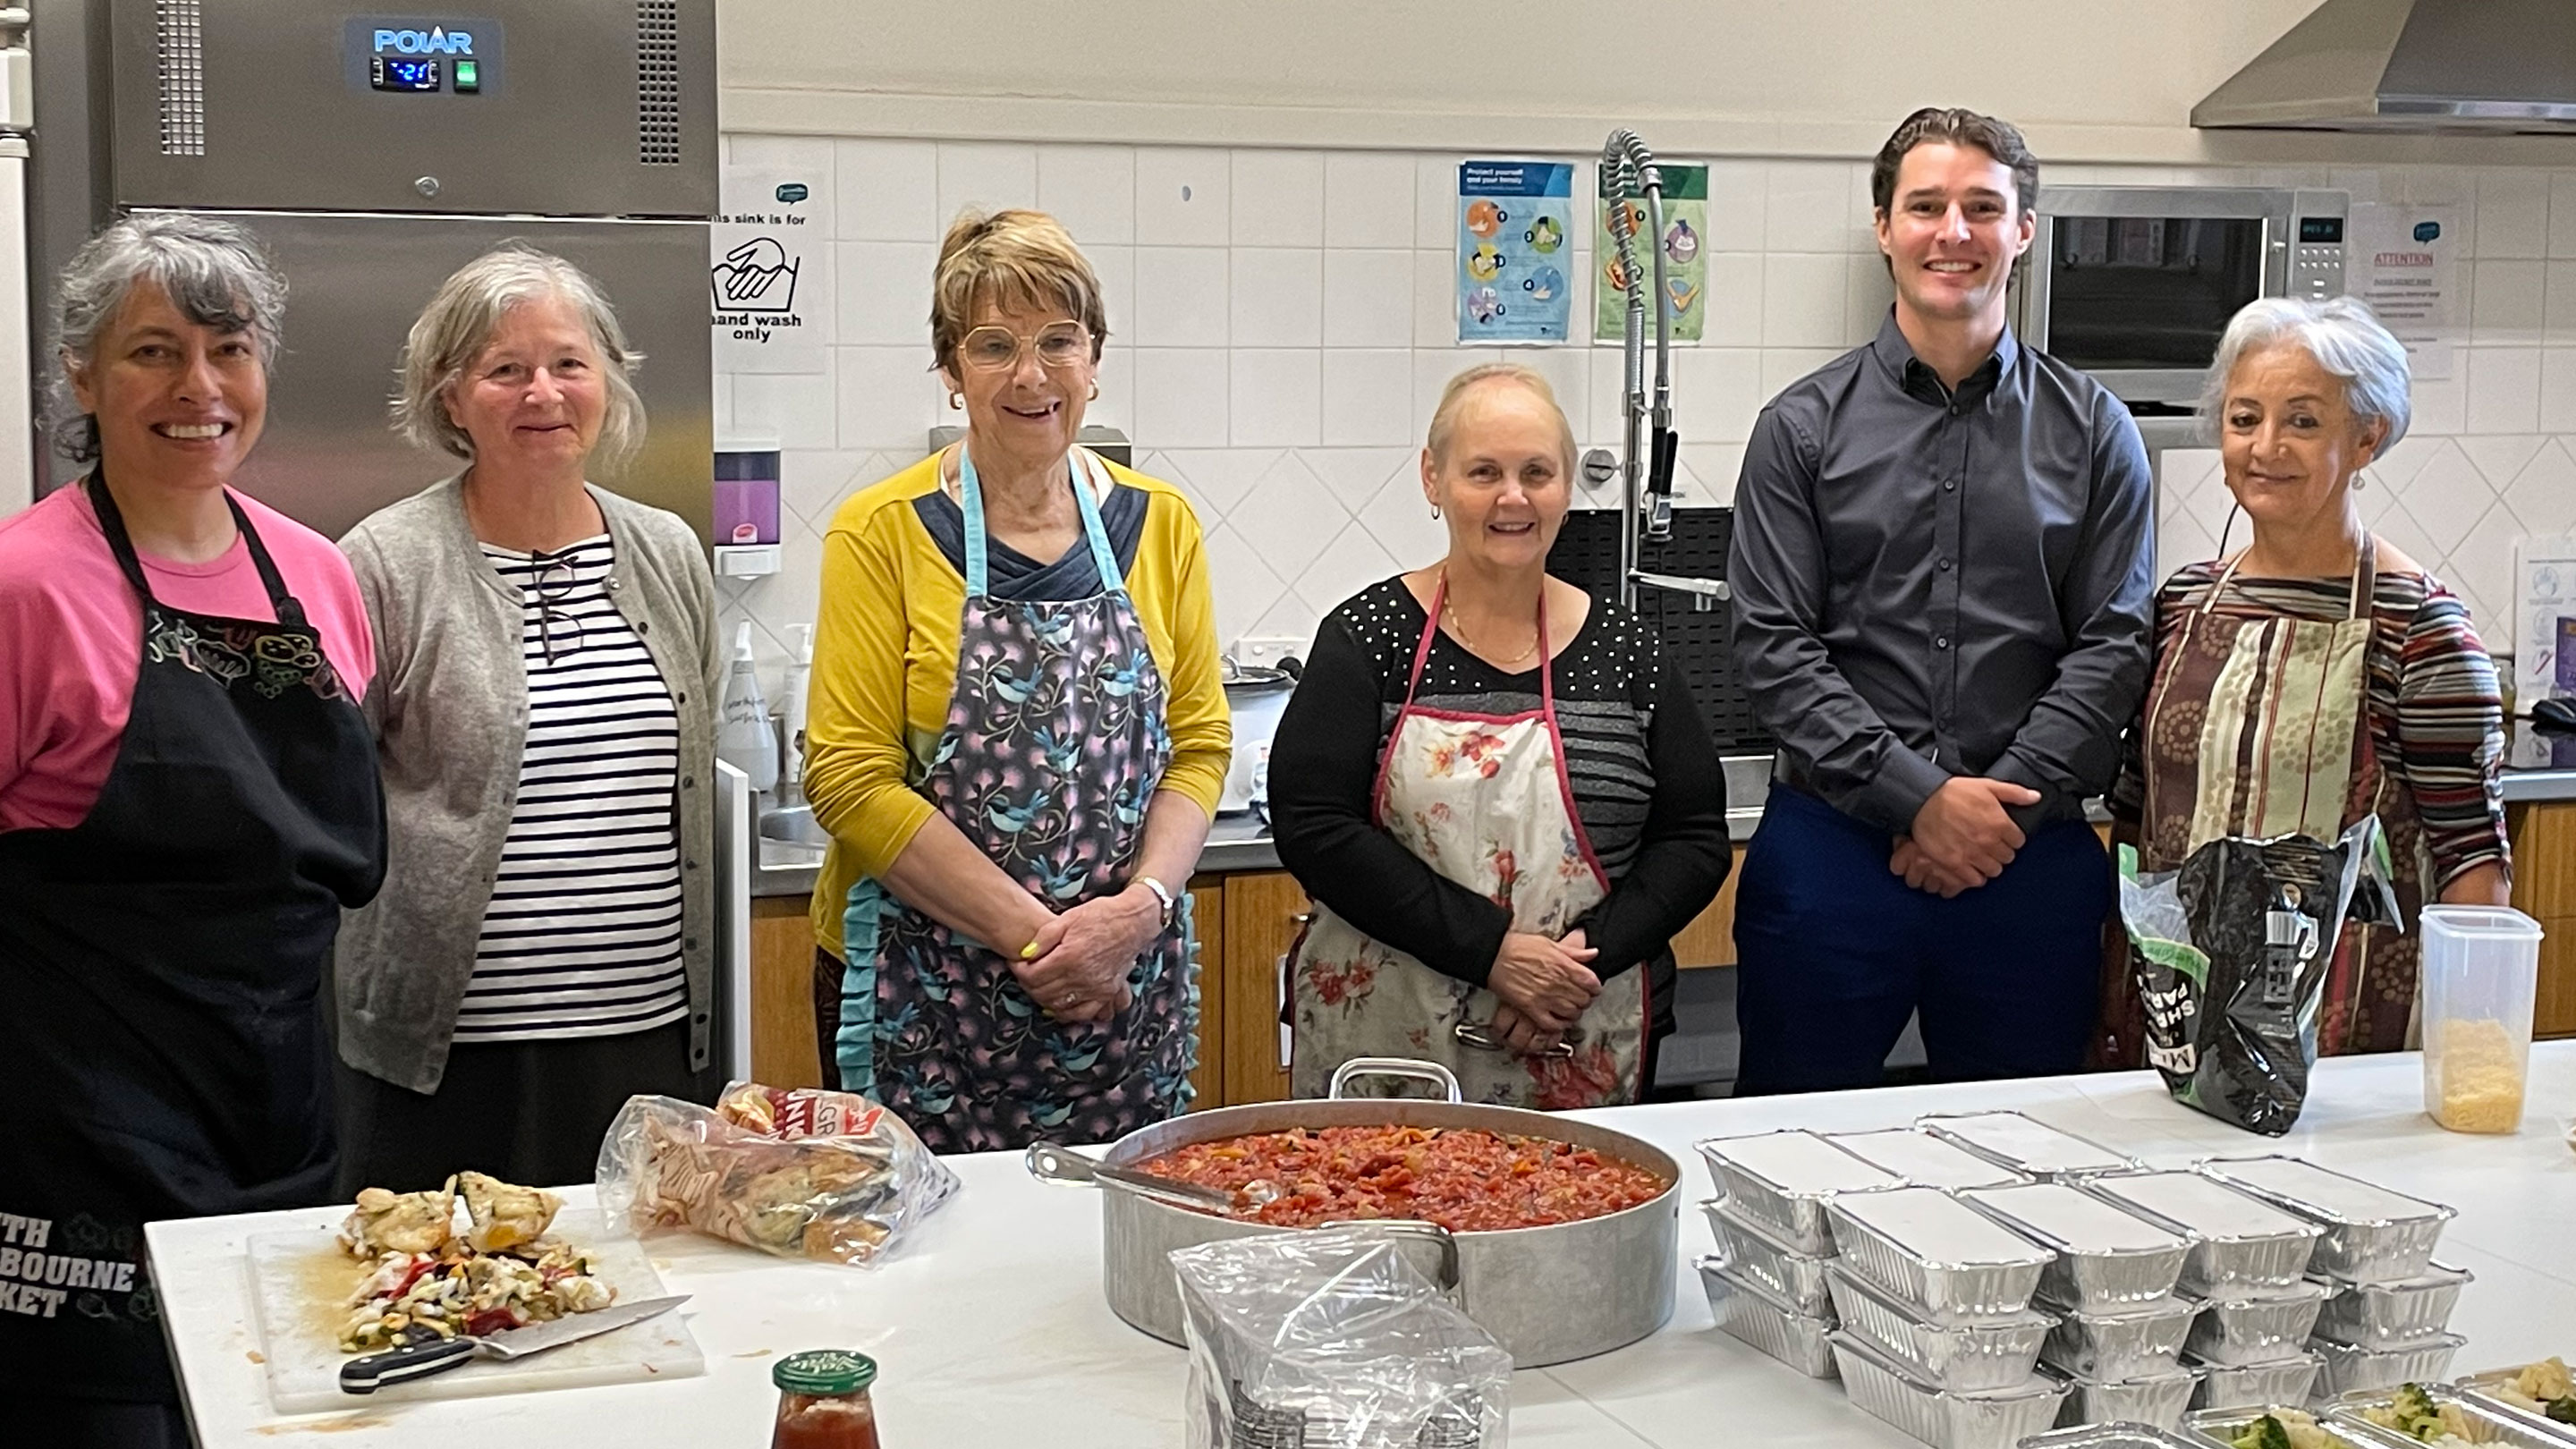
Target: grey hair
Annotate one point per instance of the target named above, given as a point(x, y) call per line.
point(215, 272)
point(2345, 339)
point(459, 322)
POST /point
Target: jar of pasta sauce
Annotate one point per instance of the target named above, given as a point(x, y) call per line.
point(823, 1401)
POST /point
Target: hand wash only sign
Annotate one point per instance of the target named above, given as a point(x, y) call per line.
point(767, 255)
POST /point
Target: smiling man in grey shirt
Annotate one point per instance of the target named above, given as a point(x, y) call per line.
point(1941, 583)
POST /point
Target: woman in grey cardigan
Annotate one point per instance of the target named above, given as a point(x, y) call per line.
point(546, 681)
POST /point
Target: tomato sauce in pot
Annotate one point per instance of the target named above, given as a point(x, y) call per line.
point(1464, 1179)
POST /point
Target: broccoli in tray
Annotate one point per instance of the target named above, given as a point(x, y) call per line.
point(2412, 1413)
point(2266, 1432)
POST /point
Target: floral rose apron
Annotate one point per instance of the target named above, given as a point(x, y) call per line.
point(2257, 727)
point(1054, 745)
point(1485, 801)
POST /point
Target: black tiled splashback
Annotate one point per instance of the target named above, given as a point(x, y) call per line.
point(1587, 556)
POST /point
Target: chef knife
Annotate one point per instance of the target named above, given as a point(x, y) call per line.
point(420, 1360)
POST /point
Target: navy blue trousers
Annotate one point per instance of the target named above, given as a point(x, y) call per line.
point(1834, 953)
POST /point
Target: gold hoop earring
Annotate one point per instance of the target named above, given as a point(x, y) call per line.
point(956, 400)
point(1095, 393)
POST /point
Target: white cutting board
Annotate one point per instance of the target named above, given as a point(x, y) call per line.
point(300, 1284)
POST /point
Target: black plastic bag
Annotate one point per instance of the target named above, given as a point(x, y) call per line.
point(2230, 955)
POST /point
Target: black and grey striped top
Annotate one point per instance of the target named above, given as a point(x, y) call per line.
point(1647, 785)
point(583, 934)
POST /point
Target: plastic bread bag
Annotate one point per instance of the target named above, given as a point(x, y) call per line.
point(1334, 1339)
point(831, 1176)
point(2230, 956)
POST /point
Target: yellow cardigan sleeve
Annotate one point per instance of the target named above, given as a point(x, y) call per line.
point(856, 733)
point(1194, 704)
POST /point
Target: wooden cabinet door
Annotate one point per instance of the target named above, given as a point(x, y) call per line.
point(1263, 910)
point(1207, 918)
point(783, 1052)
point(1709, 940)
point(2544, 888)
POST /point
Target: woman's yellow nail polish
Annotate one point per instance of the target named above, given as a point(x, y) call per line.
point(1029, 952)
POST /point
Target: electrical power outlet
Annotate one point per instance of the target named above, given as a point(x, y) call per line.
point(1266, 648)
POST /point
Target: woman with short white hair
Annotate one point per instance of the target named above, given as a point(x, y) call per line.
point(548, 658)
point(2318, 676)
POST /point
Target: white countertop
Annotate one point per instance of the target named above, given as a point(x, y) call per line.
point(990, 1327)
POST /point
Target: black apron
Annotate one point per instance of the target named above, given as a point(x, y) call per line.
point(162, 1051)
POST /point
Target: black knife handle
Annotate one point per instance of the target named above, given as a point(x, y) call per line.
point(402, 1365)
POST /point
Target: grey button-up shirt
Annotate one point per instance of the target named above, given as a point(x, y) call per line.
point(1931, 583)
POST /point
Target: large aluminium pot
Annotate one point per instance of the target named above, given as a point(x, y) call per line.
point(1551, 1294)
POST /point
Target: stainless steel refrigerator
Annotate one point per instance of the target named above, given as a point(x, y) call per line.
point(374, 151)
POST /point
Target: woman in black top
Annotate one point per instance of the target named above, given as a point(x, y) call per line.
point(1503, 818)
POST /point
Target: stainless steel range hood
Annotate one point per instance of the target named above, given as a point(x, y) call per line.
point(2411, 65)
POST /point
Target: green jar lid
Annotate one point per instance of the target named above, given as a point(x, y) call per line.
point(824, 1371)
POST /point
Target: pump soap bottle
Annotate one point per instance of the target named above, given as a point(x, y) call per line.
point(747, 740)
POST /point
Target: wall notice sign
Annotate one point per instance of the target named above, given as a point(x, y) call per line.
point(2404, 261)
point(1685, 244)
point(1515, 251)
point(765, 273)
point(2544, 645)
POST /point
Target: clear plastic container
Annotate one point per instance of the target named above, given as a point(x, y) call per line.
point(2481, 969)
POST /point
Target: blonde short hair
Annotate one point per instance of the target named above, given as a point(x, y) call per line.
point(1444, 418)
point(1014, 257)
point(459, 322)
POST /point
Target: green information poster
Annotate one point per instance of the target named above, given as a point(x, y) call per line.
point(1685, 258)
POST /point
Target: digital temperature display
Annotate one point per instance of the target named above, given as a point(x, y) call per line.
point(404, 73)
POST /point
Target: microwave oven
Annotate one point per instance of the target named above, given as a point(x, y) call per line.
point(2135, 284)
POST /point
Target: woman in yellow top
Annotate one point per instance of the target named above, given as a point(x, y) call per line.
point(1016, 735)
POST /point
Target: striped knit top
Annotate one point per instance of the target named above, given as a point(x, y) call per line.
point(1647, 785)
point(2435, 715)
point(582, 937)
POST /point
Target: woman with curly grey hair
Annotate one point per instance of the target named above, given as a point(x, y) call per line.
point(542, 948)
point(188, 799)
point(2316, 677)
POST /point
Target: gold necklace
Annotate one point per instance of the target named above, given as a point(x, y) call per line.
point(1449, 616)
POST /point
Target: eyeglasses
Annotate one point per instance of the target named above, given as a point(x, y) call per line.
point(551, 589)
point(994, 348)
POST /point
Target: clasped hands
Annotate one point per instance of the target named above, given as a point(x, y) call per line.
point(1543, 985)
point(1962, 837)
point(1075, 967)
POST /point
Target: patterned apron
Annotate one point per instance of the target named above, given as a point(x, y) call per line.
point(2277, 708)
point(1054, 745)
point(1484, 800)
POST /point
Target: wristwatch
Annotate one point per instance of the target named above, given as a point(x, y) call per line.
point(1162, 893)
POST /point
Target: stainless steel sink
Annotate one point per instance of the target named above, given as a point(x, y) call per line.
point(1748, 781)
point(794, 825)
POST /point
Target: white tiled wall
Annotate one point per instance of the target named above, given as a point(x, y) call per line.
point(1281, 327)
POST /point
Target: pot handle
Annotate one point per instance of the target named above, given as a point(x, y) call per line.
point(1420, 1071)
point(1483, 1039)
point(1416, 1228)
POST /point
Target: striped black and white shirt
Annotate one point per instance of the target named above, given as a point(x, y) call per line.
point(1643, 770)
point(583, 934)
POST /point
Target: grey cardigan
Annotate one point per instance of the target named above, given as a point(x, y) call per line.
point(450, 711)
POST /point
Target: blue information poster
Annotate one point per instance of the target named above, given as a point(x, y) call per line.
point(1515, 251)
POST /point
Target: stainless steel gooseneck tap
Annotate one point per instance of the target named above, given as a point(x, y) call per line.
point(1628, 170)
